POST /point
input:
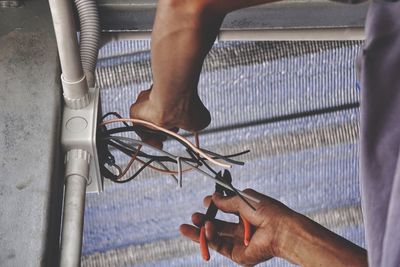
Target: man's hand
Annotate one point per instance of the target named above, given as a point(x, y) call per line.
point(269, 221)
point(175, 112)
point(278, 231)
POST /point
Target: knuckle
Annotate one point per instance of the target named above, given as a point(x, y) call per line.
point(249, 190)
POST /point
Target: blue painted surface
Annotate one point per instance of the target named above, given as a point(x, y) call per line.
point(152, 207)
point(307, 177)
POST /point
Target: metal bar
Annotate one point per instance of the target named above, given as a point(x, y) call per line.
point(319, 34)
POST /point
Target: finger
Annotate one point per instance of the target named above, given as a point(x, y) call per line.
point(223, 244)
point(198, 219)
point(228, 204)
point(207, 201)
point(153, 140)
point(136, 108)
point(143, 95)
point(235, 204)
point(217, 227)
point(190, 232)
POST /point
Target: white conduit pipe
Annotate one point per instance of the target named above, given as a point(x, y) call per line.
point(76, 96)
point(76, 179)
point(73, 80)
point(89, 37)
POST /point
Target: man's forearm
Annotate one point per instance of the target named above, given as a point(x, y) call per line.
point(182, 37)
point(183, 33)
point(309, 244)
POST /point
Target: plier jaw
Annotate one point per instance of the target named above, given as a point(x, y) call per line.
point(212, 212)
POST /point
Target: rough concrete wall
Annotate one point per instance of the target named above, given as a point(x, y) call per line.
point(29, 137)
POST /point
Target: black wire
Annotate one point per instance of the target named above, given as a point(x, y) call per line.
point(109, 158)
point(194, 157)
point(149, 131)
point(145, 130)
point(106, 173)
point(129, 150)
point(201, 160)
point(109, 175)
point(135, 175)
point(227, 157)
point(213, 154)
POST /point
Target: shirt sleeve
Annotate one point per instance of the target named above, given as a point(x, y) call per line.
point(380, 133)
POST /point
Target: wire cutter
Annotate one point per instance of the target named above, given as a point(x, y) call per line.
point(212, 212)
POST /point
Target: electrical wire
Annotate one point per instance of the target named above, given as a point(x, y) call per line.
point(116, 114)
point(173, 157)
point(183, 139)
point(157, 159)
point(193, 158)
point(227, 157)
point(130, 163)
point(136, 173)
point(195, 153)
point(213, 154)
point(165, 170)
point(202, 162)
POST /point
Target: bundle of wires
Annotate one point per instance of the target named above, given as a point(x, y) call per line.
point(115, 139)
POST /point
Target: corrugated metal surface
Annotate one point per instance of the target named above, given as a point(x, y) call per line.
point(294, 104)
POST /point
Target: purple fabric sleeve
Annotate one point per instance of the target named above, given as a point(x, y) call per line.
point(380, 133)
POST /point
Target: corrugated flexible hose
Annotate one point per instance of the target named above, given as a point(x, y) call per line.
point(89, 37)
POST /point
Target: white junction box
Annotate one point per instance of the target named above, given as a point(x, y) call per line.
point(79, 132)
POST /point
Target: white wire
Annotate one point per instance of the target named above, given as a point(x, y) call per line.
point(179, 162)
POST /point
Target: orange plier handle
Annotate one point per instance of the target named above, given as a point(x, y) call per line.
point(205, 253)
point(212, 212)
